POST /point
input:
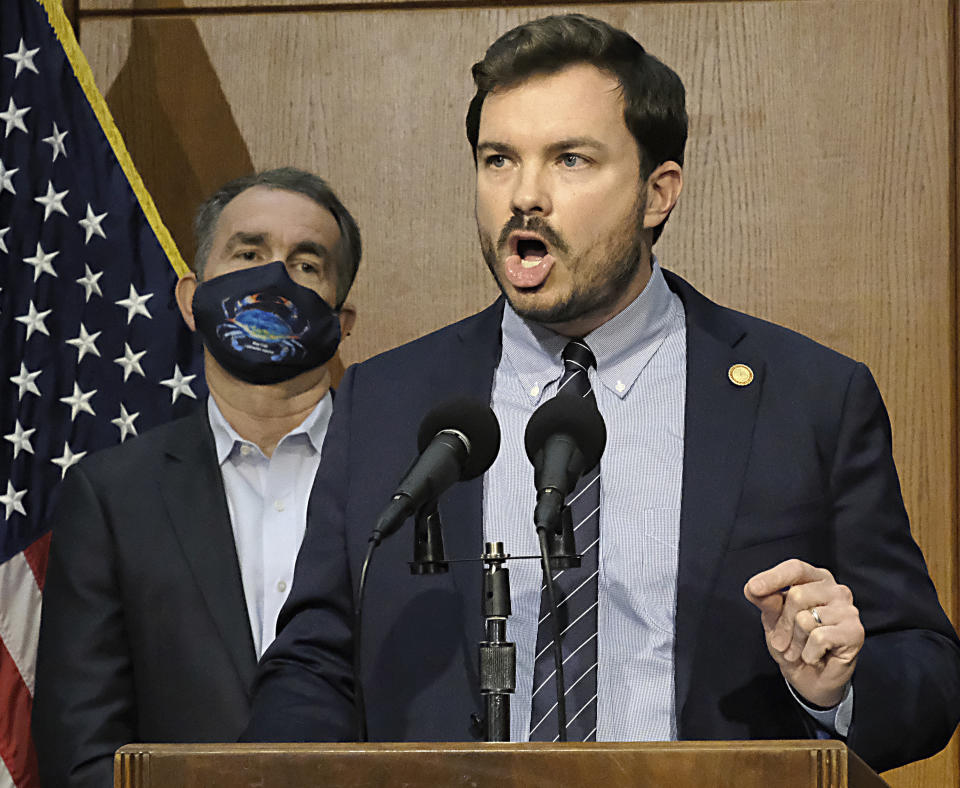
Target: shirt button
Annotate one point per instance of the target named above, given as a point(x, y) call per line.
point(278, 505)
point(620, 386)
point(281, 586)
point(534, 391)
point(245, 450)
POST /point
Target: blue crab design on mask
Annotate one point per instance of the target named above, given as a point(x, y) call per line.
point(263, 324)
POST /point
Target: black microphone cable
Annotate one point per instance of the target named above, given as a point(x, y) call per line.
point(557, 651)
point(359, 703)
point(464, 436)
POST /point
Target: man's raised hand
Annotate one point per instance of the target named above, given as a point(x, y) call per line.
point(816, 656)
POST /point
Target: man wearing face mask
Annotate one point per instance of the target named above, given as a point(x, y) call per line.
point(173, 553)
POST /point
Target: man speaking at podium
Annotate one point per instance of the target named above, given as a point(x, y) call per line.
point(748, 566)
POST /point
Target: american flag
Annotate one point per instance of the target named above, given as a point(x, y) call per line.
point(93, 347)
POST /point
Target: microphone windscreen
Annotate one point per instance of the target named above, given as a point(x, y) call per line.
point(577, 417)
point(475, 420)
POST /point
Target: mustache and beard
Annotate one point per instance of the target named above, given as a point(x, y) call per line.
point(599, 275)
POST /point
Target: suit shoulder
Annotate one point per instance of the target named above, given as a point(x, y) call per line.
point(790, 345)
point(780, 346)
point(435, 346)
point(136, 455)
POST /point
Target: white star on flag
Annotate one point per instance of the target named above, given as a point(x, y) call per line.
point(25, 381)
point(79, 401)
point(130, 362)
point(6, 178)
point(55, 141)
point(52, 201)
point(92, 224)
point(85, 343)
point(134, 304)
point(12, 500)
point(23, 57)
point(67, 459)
point(33, 320)
point(42, 262)
point(69, 191)
point(89, 282)
point(20, 438)
point(13, 117)
point(179, 384)
point(124, 422)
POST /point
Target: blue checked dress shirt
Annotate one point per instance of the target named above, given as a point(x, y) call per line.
point(640, 386)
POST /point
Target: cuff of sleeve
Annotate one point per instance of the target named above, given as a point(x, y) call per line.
point(836, 719)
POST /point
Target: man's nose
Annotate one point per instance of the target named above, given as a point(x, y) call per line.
point(531, 194)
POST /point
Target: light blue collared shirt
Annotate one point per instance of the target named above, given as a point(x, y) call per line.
point(640, 386)
point(267, 499)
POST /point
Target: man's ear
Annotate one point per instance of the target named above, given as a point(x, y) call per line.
point(348, 316)
point(186, 287)
point(663, 190)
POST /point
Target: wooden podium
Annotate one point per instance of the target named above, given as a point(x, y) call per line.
point(751, 764)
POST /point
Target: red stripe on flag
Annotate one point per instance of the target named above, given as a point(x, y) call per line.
point(16, 746)
point(36, 555)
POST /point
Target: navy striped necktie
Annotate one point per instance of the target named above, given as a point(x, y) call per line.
point(576, 592)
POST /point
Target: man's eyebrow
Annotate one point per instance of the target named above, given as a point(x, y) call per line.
point(245, 239)
point(242, 238)
point(492, 145)
point(576, 142)
point(311, 247)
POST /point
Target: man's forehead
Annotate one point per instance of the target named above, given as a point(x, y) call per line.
point(577, 102)
point(261, 212)
point(559, 79)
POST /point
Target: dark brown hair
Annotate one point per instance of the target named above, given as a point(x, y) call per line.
point(653, 95)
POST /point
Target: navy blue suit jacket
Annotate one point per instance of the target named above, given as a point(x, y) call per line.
point(797, 464)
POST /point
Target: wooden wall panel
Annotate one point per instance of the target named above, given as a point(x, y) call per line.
point(820, 177)
point(127, 7)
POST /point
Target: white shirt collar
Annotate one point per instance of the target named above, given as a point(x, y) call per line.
point(227, 439)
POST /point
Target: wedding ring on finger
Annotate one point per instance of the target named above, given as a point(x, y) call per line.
point(816, 616)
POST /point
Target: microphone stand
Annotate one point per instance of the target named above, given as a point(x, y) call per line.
point(561, 543)
point(428, 554)
point(498, 657)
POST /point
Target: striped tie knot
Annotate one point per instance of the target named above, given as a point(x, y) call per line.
point(577, 360)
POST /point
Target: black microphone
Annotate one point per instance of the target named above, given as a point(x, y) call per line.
point(458, 440)
point(564, 440)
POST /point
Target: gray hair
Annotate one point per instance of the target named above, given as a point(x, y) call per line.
point(289, 179)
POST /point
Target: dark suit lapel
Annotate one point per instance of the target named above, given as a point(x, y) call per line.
point(192, 489)
point(719, 422)
point(470, 372)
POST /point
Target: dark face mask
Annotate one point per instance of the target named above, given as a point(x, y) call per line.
point(262, 327)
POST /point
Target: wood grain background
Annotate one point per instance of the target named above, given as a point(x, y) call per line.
point(821, 174)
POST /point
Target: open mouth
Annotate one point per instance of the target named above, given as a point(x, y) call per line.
point(529, 263)
point(530, 251)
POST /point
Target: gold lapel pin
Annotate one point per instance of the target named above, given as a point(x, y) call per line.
point(740, 375)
